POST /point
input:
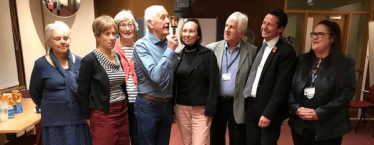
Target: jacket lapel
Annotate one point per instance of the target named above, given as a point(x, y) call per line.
point(243, 54)
point(197, 61)
point(269, 59)
point(219, 54)
point(179, 58)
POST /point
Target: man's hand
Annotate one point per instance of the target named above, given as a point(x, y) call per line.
point(173, 42)
point(263, 122)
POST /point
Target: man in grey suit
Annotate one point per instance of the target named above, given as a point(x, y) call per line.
point(234, 57)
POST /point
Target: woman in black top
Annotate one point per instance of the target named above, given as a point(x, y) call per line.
point(322, 87)
point(196, 86)
point(102, 94)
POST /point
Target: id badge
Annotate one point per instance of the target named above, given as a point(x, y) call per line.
point(226, 76)
point(309, 92)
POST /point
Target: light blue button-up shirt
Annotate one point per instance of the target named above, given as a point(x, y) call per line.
point(228, 86)
point(154, 66)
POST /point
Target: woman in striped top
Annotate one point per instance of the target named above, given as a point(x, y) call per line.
point(102, 94)
point(127, 27)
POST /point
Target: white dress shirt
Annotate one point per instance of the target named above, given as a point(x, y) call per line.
point(268, 48)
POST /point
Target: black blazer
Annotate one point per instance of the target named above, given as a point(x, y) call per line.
point(203, 80)
point(274, 83)
point(331, 105)
point(93, 86)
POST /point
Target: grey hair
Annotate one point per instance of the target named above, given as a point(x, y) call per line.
point(241, 19)
point(57, 26)
point(125, 15)
point(151, 12)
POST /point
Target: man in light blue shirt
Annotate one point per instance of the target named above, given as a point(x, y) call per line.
point(154, 58)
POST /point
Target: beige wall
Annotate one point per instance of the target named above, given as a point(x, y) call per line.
point(8, 71)
point(371, 53)
point(83, 40)
point(32, 30)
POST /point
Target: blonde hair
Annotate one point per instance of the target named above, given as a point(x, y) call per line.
point(57, 26)
point(125, 15)
point(102, 24)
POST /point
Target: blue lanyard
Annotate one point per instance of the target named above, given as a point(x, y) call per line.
point(314, 76)
point(232, 62)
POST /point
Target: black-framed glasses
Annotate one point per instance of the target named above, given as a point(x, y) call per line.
point(318, 34)
point(129, 25)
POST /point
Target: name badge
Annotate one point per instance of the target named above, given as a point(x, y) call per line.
point(309, 92)
point(226, 76)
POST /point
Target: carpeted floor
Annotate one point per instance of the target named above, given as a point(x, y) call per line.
point(363, 136)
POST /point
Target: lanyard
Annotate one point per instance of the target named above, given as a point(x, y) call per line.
point(313, 83)
point(228, 66)
point(315, 74)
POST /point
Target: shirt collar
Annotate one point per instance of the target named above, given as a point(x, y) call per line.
point(235, 49)
point(272, 42)
point(153, 38)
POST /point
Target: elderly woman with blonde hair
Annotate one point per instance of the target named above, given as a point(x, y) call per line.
point(53, 88)
point(127, 26)
point(102, 94)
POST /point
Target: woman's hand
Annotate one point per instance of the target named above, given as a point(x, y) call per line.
point(208, 120)
point(300, 110)
point(307, 114)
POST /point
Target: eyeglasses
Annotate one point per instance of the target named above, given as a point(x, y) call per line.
point(129, 25)
point(318, 34)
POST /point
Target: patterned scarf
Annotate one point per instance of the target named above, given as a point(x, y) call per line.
point(71, 77)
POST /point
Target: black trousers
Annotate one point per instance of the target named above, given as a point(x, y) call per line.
point(260, 136)
point(308, 138)
point(133, 125)
point(225, 117)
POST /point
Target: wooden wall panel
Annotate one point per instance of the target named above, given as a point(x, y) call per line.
point(140, 5)
point(112, 7)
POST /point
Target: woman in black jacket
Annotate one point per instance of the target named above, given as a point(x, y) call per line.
point(102, 95)
point(322, 87)
point(196, 86)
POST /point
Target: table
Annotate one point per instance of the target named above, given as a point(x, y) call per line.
point(21, 121)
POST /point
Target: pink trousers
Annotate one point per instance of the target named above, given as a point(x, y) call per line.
point(192, 124)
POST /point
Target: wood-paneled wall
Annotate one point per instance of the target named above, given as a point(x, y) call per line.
point(112, 7)
point(256, 10)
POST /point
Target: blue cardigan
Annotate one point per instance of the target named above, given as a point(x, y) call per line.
point(47, 90)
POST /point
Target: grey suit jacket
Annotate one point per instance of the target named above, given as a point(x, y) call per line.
point(247, 53)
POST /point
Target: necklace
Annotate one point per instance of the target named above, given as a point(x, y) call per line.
point(190, 50)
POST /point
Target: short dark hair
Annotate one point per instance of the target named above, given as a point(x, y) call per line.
point(282, 17)
point(198, 29)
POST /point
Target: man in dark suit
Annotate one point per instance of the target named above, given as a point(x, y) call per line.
point(234, 57)
point(268, 82)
